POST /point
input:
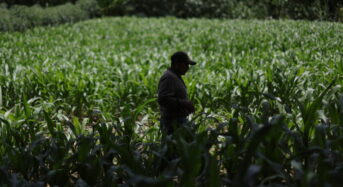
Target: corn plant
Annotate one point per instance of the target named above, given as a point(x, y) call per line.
point(78, 104)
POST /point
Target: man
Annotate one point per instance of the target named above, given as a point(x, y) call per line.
point(172, 94)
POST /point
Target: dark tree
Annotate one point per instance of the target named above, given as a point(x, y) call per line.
point(40, 2)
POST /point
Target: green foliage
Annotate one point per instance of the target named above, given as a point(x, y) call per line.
point(40, 2)
point(277, 9)
point(78, 104)
point(261, 9)
point(20, 17)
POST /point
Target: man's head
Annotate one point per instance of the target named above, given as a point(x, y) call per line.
point(180, 62)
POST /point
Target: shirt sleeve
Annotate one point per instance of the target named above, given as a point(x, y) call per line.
point(166, 93)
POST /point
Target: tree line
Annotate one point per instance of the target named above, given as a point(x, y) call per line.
point(40, 2)
point(331, 10)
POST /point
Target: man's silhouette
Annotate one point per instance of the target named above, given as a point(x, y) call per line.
point(172, 94)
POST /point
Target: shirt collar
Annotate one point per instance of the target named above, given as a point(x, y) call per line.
point(175, 72)
point(178, 75)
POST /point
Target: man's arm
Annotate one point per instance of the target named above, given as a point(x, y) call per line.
point(166, 93)
point(166, 96)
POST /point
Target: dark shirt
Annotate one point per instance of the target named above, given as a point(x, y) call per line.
point(172, 95)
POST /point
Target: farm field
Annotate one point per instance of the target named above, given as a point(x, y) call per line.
point(78, 103)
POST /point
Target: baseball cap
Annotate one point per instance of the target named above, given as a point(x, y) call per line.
point(181, 56)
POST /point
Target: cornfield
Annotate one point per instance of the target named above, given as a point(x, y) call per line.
point(78, 104)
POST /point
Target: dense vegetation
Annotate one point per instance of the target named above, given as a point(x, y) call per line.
point(294, 9)
point(78, 103)
point(40, 2)
point(20, 17)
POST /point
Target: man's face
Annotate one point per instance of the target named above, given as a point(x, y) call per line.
point(183, 68)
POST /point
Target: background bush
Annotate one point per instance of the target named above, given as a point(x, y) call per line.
point(21, 17)
point(20, 14)
point(292, 9)
point(40, 2)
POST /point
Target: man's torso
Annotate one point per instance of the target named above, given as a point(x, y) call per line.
point(176, 88)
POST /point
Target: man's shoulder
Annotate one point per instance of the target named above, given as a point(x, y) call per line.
point(168, 75)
